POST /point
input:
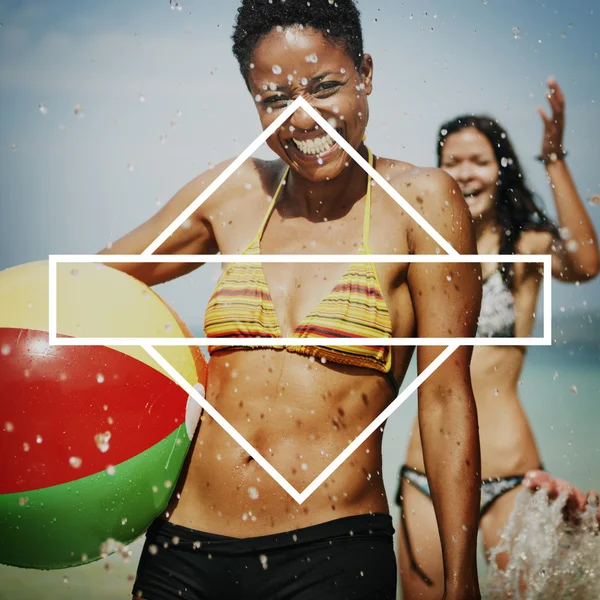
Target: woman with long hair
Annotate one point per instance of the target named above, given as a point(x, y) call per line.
point(476, 151)
point(232, 532)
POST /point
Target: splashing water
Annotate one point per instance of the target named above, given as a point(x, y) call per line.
point(556, 560)
point(112, 546)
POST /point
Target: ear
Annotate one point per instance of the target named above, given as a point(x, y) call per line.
point(366, 73)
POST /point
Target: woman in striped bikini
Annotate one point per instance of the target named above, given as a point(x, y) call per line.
point(233, 532)
point(476, 151)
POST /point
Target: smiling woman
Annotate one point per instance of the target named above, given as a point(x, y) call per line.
point(476, 151)
point(231, 531)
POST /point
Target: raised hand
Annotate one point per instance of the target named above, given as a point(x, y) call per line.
point(554, 125)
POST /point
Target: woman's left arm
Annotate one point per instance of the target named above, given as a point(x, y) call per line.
point(575, 258)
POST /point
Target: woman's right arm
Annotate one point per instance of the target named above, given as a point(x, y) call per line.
point(194, 236)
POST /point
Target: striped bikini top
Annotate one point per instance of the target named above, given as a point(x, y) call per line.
point(241, 306)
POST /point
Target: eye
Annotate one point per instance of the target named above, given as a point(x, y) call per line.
point(327, 86)
point(276, 100)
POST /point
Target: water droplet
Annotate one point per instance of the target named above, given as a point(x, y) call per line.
point(311, 58)
point(23, 500)
point(168, 327)
point(253, 493)
point(304, 466)
point(65, 579)
point(263, 561)
point(43, 108)
point(78, 110)
point(162, 138)
point(8, 427)
point(5, 350)
point(168, 484)
point(516, 33)
point(573, 389)
point(111, 470)
point(175, 5)
point(38, 439)
point(304, 81)
point(594, 200)
point(142, 98)
point(565, 233)
point(25, 447)
point(75, 462)
point(320, 160)
point(102, 440)
point(219, 457)
point(130, 166)
point(100, 378)
point(276, 69)
point(153, 549)
point(572, 246)
point(448, 277)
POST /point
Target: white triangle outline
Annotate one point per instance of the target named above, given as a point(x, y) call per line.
point(299, 497)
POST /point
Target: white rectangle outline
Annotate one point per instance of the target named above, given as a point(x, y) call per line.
point(55, 259)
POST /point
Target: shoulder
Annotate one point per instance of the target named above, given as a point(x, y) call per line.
point(239, 200)
point(427, 189)
point(435, 196)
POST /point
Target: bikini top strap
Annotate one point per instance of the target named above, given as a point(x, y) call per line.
point(367, 217)
point(261, 230)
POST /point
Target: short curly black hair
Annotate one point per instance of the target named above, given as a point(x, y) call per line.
point(338, 20)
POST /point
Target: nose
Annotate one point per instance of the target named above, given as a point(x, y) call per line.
point(302, 121)
point(463, 172)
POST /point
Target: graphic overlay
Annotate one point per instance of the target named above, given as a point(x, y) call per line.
point(545, 260)
point(148, 256)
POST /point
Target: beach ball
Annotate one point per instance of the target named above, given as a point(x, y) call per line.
point(92, 438)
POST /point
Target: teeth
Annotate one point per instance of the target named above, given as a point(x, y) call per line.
point(314, 146)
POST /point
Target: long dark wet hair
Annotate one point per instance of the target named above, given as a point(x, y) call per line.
point(517, 207)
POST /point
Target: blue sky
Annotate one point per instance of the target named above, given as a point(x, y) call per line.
point(70, 184)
